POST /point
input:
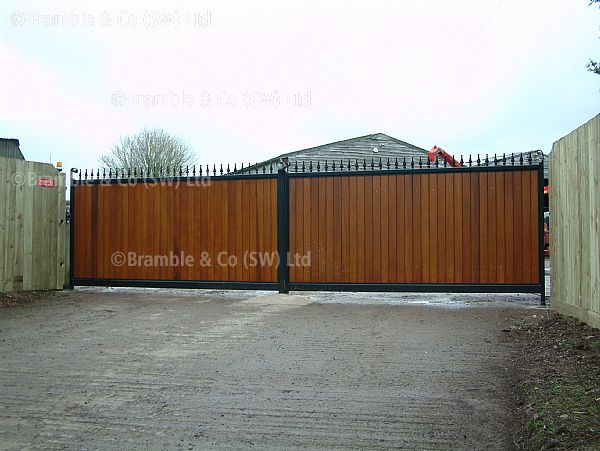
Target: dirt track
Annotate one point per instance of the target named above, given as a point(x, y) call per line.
point(195, 370)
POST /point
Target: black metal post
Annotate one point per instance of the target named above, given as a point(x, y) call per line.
point(542, 258)
point(283, 237)
point(70, 284)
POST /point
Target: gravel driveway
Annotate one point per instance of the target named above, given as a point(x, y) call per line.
point(177, 369)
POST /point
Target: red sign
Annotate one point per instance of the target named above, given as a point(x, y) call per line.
point(46, 182)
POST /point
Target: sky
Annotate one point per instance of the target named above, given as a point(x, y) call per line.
point(246, 81)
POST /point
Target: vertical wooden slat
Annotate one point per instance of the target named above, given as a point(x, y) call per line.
point(323, 243)
point(484, 228)
point(293, 201)
point(368, 228)
point(345, 235)
point(526, 226)
point(426, 243)
point(330, 230)
point(314, 229)
point(353, 232)
point(518, 232)
point(533, 211)
point(409, 220)
point(501, 227)
point(492, 211)
point(376, 231)
point(307, 225)
point(337, 221)
point(384, 278)
point(391, 208)
point(474, 222)
point(361, 240)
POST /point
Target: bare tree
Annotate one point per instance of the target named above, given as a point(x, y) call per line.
point(594, 66)
point(148, 149)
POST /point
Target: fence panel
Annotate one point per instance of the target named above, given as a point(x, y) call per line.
point(575, 223)
point(32, 226)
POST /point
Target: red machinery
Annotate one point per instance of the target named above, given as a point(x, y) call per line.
point(439, 152)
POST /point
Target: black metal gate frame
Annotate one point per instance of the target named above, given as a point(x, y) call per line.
point(284, 285)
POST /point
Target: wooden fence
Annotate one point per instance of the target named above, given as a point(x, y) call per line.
point(32, 226)
point(575, 223)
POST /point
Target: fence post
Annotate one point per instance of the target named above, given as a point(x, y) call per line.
point(70, 285)
point(542, 257)
point(283, 237)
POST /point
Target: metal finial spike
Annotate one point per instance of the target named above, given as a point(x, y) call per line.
point(364, 164)
point(85, 177)
point(470, 161)
point(221, 170)
point(495, 160)
point(404, 162)
point(180, 171)
point(256, 167)
point(478, 160)
point(372, 164)
point(187, 170)
point(461, 160)
point(135, 172)
point(264, 169)
point(388, 163)
point(349, 164)
point(326, 165)
point(271, 168)
point(142, 171)
point(487, 160)
point(512, 158)
point(128, 172)
point(97, 173)
point(412, 162)
point(341, 164)
point(109, 173)
point(333, 165)
point(445, 162)
point(303, 166)
point(103, 173)
point(530, 159)
point(214, 170)
point(296, 166)
point(504, 159)
point(420, 163)
point(429, 163)
point(396, 164)
point(437, 162)
point(356, 165)
point(380, 164)
point(310, 167)
point(318, 165)
point(194, 170)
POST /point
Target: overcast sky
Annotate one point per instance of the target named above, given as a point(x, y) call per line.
point(245, 81)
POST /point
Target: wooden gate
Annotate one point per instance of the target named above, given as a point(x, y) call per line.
point(357, 228)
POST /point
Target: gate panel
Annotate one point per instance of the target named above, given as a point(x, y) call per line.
point(225, 226)
point(476, 227)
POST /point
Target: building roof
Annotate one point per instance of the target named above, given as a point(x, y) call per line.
point(363, 148)
point(371, 149)
point(9, 148)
